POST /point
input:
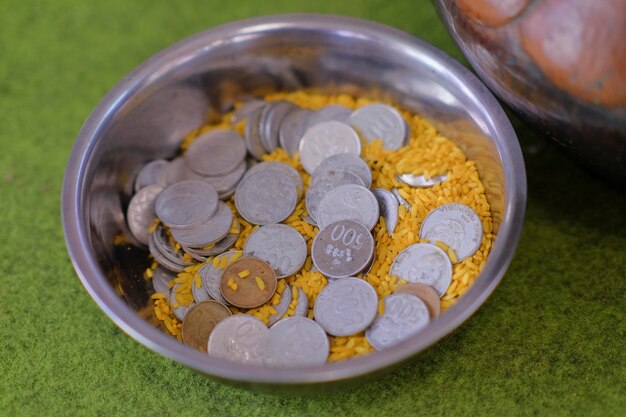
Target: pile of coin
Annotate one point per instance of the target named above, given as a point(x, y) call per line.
point(316, 134)
point(179, 212)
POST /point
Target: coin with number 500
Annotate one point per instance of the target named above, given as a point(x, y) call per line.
point(342, 249)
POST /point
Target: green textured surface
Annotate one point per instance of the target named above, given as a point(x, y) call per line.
point(550, 341)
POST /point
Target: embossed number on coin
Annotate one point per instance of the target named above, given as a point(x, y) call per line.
point(342, 249)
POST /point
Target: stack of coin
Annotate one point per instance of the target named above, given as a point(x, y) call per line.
point(218, 157)
point(167, 255)
point(193, 214)
point(332, 172)
point(319, 133)
point(178, 213)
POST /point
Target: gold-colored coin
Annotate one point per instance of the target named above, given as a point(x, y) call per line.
point(426, 293)
point(200, 322)
point(257, 286)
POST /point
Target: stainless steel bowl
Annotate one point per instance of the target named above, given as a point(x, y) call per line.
point(148, 112)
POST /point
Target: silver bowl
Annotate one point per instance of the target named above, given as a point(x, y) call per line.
point(148, 112)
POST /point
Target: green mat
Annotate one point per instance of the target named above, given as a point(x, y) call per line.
point(549, 342)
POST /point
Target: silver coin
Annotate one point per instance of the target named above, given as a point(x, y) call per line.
point(212, 276)
point(283, 305)
point(420, 181)
point(220, 247)
point(186, 204)
point(178, 171)
point(329, 113)
point(281, 246)
point(141, 213)
point(342, 249)
point(266, 197)
point(322, 185)
point(309, 220)
point(246, 110)
point(153, 173)
point(425, 264)
point(161, 278)
point(344, 162)
point(283, 167)
point(348, 202)
point(456, 225)
point(253, 135)
point(199, 294)
point(238, 338)
point(302, 308)
point(292, 129)
point(400, 199)
point(271, 118)
point(229, 181)
point(326, 139)
point(388, 206)
point(346, 306)
point(211, 231)
point(378, 121)
point(181, 311)
point(295, 342)
point(216, 152)
point(405, 315)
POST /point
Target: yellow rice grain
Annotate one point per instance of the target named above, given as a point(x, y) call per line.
point(260, 283)
point(452, 255)
point(381, 307)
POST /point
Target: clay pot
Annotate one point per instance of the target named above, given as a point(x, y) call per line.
point(559, 64)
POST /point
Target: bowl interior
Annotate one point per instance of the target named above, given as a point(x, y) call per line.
point(148, 113)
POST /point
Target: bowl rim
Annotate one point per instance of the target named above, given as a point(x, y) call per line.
point(75, 225)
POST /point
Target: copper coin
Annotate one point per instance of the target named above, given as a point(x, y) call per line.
point(200, 322)
point(250, 292)
point(426, 293)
